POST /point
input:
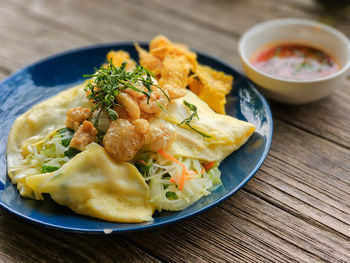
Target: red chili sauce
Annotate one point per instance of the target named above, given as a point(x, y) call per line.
point(295, 61)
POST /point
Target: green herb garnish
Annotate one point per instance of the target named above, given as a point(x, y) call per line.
point(166, 177)
point(171, 195)
point(143, 164)
point(302, 66)
point(187, 121)
point(71, 152)
point(99, 137)
point(109, 81)
point(67, 134)
point(48, 169)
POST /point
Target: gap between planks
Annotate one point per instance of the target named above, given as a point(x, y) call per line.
point(297, 179)
point(265, 229)
point(288, 227)
point(312, 133)
point(293, 212)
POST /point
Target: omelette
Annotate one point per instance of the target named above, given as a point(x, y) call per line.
point(119, 152)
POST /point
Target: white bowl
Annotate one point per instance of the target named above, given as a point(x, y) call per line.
point(295, 31)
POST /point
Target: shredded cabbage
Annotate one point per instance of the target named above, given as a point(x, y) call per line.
point(163, 176)
point(45, 155)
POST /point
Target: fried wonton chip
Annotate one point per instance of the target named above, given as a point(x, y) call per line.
point(149, 61)
point(159, 48)
point(211, 86)
point(118, 57)
point(174, 72)
point(159, 41)
point(172, 63)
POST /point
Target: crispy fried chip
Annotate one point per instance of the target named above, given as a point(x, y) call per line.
point(211, 86)
point(159, 41)
point(149, 61)
point(160, 47)
point(192, 61)
point(195, 84)
point(175, 72)
point(172, 63)
point(118, 57)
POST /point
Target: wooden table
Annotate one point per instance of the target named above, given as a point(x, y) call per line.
point(296, 208)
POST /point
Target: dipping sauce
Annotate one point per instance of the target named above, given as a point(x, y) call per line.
point(295, 61)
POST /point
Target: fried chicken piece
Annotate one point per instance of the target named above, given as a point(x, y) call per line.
point(85, 135)
point(76, 116)
point(124, 139)
point(160, 136)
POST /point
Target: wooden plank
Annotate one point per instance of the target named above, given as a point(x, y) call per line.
point(323, 159)
point(218, 236)
point(235, 17)
point(328, 118)
point(311, 238)
point(24, 242)
point(119, 24)
point(311, 180)
point(24, 40)
point(3, 75)
point(311, 188)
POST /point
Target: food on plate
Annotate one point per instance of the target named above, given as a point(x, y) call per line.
point(130, 140)
point(93, 183)
point(174, 64)
point(295, 61)
point(211, 86)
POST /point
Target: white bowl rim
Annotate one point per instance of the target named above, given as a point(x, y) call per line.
point(295, 21)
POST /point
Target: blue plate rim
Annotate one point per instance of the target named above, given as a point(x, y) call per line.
point(160, 224)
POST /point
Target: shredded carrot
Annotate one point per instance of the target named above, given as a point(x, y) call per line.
point(184, 173)
point(142, 161)
point(190, 172)
point(209, 165)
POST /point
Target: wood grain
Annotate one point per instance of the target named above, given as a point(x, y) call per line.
point(296, 208)
point(24, 242)
point(108, 27)
point(328, 118)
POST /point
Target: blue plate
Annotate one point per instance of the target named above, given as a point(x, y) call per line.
point(47, 77)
